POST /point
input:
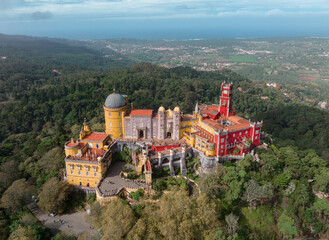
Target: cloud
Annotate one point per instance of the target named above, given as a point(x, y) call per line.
point(151, 9)
point(7, 4)
point(41, 15)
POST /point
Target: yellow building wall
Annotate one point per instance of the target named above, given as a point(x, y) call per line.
point(75, 179)
point(186, 126)
point(71, 151)
point(114, 121)
point(189, 139)
point(204, 146)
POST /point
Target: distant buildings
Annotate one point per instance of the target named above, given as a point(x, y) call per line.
point(271, 84)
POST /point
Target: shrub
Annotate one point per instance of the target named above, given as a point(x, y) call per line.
point(136, 195)
point(132, 175)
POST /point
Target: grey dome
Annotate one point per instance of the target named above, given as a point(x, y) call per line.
point(115, 100)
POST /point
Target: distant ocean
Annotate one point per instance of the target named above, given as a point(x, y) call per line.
point(174, 28)
point(176, 34)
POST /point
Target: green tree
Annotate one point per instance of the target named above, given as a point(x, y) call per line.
point(54, 196)
point(286, 226)
point(117, 219)
point(212, 184)
point(23, 233)
point(17, 195)
point(321, 180)
point(232, 223)
point(254, 192)
point(183, 217)
point(322, 207)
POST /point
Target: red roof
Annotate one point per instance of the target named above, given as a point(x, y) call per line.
point(71, 144)
point(91, 155)
point(142, 112)
point(95, 137)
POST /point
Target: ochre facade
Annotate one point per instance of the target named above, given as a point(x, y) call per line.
point(88, 158)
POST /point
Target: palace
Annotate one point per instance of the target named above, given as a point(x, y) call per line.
point(213, 132)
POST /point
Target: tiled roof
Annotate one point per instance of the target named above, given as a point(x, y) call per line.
point(239, 123)
point(91, 155)
point(204, 134)
point(71, 144)
point(185, 117)
point(210, 111)
point(141, 112)
point(81, 145)
point(95, 137)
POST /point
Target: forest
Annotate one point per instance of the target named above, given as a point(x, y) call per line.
point(40, 110)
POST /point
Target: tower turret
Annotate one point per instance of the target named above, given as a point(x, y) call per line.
point(225, 104)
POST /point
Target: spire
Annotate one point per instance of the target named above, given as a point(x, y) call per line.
point(85, 122)
point(196, 107)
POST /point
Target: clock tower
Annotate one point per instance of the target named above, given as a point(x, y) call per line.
point(225, 104)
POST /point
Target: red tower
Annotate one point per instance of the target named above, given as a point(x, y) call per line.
point(226, 99)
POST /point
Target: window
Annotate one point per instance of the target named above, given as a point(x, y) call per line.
point(71, 166)
point(111, 135)
point(94, 168)
point(72, 172)
point(225, 91)
point(222, 151)
point(240, 133)
point(79, 167)
point(111, 129)
point(257, 131)
point(233, 134)
point(95, 174)
point(79, 173)
point(109, 114)
point(192, 123)
point(222, 146)
point(120, 123)
point(97, 146)
point(72, 180)
point(87, 173)
point(246, 132)
point(110, 123)
point(141, 124)
point(86, 168)
point(121, 136)
point(222, 140)
point(183, 124)
point(256, 137)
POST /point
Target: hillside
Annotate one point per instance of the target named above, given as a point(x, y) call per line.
point(40, 110)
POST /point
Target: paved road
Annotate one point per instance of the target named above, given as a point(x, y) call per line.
point(113, 182)
point(75, 222)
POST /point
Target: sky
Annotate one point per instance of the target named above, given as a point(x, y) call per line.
point(168, 19)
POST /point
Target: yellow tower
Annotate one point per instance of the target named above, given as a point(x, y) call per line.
point(115, 109)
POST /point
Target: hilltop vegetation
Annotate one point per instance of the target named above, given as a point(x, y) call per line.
point(40, 110)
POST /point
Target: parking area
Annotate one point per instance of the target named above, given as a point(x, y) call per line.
point(71, 222)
